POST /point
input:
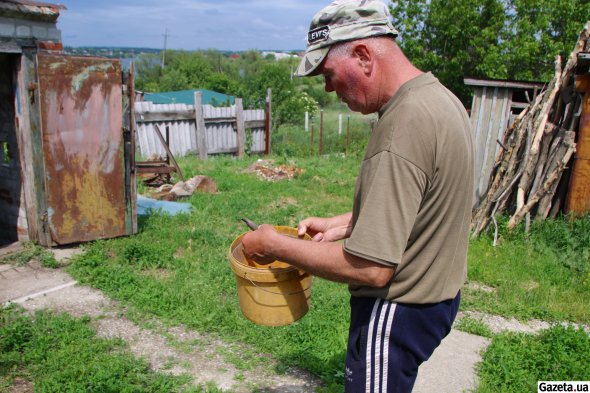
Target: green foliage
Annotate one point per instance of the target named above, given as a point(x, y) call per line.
point(61, 354)
point(488, 38)
point(535, 275)
point(293, 108)
point(471, 325)
point(515, 362)
point(291, 140)
point(248, 77)
point(32, 251)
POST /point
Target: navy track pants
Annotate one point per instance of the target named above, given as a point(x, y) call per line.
point(388, 341)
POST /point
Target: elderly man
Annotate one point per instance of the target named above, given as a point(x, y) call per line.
point(404, 245)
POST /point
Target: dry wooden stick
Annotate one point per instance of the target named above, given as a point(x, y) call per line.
point(539, 130)
point(551, 179)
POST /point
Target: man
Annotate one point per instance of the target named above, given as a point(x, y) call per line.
point(405, 243)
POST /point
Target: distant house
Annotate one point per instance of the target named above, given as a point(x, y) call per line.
point(278, 55)
point(187, 97)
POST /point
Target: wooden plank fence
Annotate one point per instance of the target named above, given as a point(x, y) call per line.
point(493, 110)
point(208, 130)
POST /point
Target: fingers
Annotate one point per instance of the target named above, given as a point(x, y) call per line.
point(318, 237)
point(301, 230)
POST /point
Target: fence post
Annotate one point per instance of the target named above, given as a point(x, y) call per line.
point(340, 124)
point(321, 131)
point(311, 139)
point(200, 126)
point(268, 121)
point(347, 133)
point(240, 127)
point(306, 121)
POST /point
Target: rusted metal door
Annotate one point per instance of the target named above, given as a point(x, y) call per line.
point(81, 114)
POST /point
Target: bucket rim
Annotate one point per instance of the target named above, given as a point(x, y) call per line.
point(268, 273)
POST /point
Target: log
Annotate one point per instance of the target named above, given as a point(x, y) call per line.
point(548, 184)
point(529, 172)
point(539, 130)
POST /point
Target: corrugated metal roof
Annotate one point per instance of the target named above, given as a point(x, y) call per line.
point(28, 9)
point(188, 97)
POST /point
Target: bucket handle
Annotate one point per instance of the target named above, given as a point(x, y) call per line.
point(275, 293)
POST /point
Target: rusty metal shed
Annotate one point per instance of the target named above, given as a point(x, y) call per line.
point(66, 162)
point(495, 105)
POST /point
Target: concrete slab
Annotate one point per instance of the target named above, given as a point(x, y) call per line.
point(451, 368)
point(23, 281)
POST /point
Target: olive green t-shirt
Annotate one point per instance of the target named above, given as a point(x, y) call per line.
point(413, 198)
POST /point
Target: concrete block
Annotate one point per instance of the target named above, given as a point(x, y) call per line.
point(7, 29)
point(54, 34)
point(23, 31)
point(40, 32)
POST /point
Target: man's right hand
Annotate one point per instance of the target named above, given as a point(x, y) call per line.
point(326, 229)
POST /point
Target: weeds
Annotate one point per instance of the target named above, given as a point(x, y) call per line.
point(30, 252)
point(514, 362)
point(471, 325)
point(62, 354)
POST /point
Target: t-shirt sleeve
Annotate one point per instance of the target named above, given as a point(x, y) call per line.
point(386, 205)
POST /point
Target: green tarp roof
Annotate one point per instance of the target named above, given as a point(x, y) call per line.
point(188, 97)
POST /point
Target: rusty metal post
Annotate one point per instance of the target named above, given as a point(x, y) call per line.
point(132, 184)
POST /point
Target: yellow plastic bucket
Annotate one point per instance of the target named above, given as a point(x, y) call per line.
point(276, 294)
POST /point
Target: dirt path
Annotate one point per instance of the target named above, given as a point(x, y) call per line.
point(179, 350)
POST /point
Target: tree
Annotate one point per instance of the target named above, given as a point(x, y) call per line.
point(452, 38)
point(496, 39)
point(540, 30)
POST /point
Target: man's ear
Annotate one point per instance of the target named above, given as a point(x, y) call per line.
point(364, 56)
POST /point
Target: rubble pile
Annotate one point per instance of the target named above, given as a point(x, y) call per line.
point(266, 170)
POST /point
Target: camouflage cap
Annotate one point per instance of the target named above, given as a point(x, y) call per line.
point(343, 20)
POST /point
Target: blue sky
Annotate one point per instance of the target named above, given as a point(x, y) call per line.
point(191, 24)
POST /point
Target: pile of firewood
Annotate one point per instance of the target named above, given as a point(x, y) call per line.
point(535, 152)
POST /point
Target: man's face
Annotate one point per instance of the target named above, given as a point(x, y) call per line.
point(343, 75)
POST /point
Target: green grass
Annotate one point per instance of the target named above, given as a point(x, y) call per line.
point(32, 251)
point(514, 362)
point(535, 275)
point(176, 269)
point(471, 325)
point(57, 353)
point(293, 141)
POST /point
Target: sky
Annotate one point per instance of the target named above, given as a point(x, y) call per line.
point(233, 25)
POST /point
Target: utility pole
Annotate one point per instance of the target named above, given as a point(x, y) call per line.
point(166, 35)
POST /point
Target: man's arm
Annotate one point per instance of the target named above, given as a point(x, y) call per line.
point(323, 259)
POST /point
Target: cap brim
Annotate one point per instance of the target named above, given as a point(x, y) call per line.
point(311, 61)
